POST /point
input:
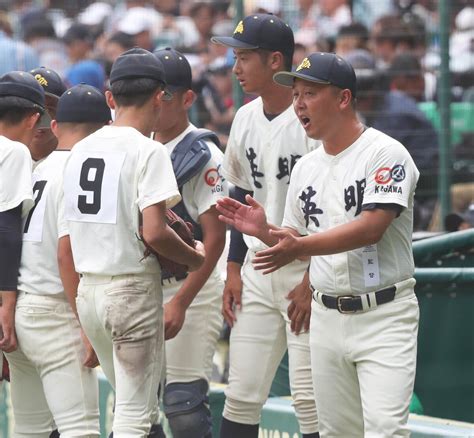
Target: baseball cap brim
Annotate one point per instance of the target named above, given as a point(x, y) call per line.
point(287, 78)
point(233, 42)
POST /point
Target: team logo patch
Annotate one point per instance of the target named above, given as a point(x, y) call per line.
point(211, 177)
point(383, 175)
point(239, 28)
point(398, 173)
point(304, 64)
point(41, 80)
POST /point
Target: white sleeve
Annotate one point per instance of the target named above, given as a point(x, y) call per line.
point(208, 186)
point(16, 184)
point(156, 182)
point(234, 160)
point(391, 176)
point(293, 216)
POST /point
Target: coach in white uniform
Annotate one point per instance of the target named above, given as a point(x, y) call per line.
point(267, 313)
point(49, 375)
point(21, 106)
point(352, 201)
point(112, 177)
point(191, 339)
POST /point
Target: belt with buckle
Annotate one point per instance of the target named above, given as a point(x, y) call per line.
point(353, 303)
point(170, 277)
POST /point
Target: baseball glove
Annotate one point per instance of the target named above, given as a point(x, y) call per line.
point(182, 229)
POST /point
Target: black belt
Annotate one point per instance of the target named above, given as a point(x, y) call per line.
point(353, 303)
point(167, 276)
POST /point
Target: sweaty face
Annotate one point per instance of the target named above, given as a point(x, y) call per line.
point(251, 71)
point(315, 105)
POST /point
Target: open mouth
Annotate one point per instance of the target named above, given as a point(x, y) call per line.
point(305, 121)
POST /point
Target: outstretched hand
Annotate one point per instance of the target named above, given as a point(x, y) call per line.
point(248, 219)
point(284, 252)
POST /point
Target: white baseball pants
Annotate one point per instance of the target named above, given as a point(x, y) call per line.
point(189, 355)
point(123, 318)
point(364, 367)
point(48, 380)
point(258, 342)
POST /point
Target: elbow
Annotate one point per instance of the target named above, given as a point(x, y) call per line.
point(154, 237)
point(374, 236)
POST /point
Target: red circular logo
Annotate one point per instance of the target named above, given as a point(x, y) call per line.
point(211, 177)
point(383, 175)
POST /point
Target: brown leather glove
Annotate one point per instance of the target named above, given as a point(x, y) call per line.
point(182, 229)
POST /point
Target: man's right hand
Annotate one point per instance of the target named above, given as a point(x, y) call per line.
point(232, 297)
point(248, 219)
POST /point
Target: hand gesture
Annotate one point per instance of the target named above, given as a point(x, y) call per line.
point(299, 309)
point(174, 314)
point(284, 252)
point(248, 219)
point(8, 342)
point(90, 358)
point(232, 297)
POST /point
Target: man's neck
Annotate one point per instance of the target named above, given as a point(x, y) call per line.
point(166, 135)
point(341, 139)
point(67, 141)
point(132, 117)
point(276, 99)
point(13, 133)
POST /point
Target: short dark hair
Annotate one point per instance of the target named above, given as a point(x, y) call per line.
point(14, 109)
point(355, 29)
point(86, 128)
point(122, 39)
point(135, 92)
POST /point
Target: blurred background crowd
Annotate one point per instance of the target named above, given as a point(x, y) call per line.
point(394, 46)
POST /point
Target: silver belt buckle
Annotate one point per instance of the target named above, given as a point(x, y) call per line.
point(339, 304)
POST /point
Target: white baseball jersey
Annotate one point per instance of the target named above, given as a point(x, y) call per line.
point(15, 176)
point(203, 190)
point(327, 191)
point(260, 156)
point(109, 177)
point(42, 228)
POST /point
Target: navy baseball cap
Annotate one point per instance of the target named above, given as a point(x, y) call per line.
point(22, 84)
point(321, 68)
point(177, 69)
point(82, 104)
point(50, 81)
point(260, 31)
point(137, 63)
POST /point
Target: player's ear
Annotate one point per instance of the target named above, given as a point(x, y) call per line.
point(188, 98)
point(54, 127)
point(31, 121)
point(345, 98)
point(110, 99)
point(276, 60)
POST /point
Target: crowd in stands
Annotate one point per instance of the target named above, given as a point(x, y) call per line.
point(394, 46)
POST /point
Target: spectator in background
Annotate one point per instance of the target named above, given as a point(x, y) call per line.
point(390, 36)
point(306, 26)
point(406, 75)
point(114, 46)
point(460, 221)
point(140, 23)
point(14, 55)
point(331, 16)
point(351, 37)
point(396, 114)
point(79, 43)
point(40, 34)
point(203, 15)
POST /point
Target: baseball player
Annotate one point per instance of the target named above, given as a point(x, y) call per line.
point(191, 340)
point(268, 314)
point(349, 207)
point(21, 106)
point(111, 178)
point(49, 374)
point(44, 142)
